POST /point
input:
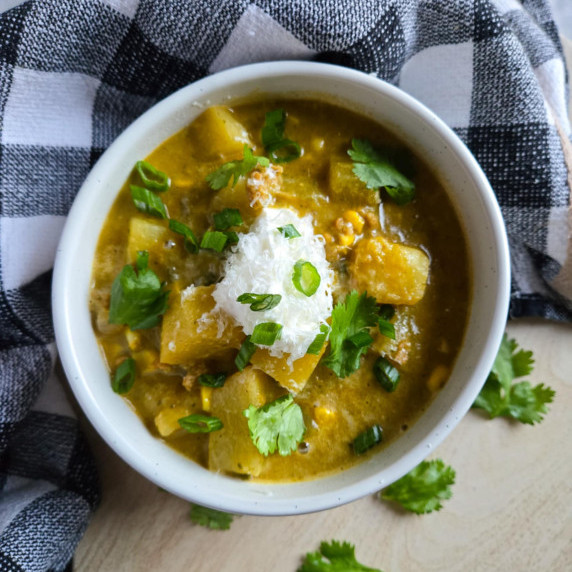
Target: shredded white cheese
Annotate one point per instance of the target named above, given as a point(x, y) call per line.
point(262, 263)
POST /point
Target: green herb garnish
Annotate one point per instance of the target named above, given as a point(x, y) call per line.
point(375, 169)
point(124, 376)
point(368, 439)
point(260, 302)
point(501, 397)
point(289, 231)
point(246, 351)
point(306, 278)
point(316, 346)
point(137, 297)
point(273, 138)
point(152, 178)
point(235, 169)
point(190, 240)
point(210, 518)
point(266, 333)
point(423, 488)
point(148, 202)
point(227, 218)
point(334, 557)
point(197, 423)
point(276, 425)
point(386, 313)
point(214, 240)
point(356, 314)
point(212, 379)
point(386, 374)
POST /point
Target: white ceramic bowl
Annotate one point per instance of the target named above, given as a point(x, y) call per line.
point(488, 252)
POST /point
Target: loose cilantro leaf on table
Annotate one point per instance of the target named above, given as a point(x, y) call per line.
point(501, 397)
point(376, 170)
point(276, 425)
point(210, 518)
point(423, 488)
point(334, 556)
point(349, 318)
point(137, 297)
point(235, 169)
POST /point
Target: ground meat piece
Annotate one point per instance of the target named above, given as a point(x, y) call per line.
point(261, 183)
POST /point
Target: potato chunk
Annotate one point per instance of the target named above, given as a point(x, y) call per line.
point(293, 379)
point(146, 235)
point(221, 135)
point(345, 186)
point(191, 330)
point(392, 273)
point(231, 449)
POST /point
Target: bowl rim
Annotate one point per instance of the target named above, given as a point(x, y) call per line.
point(70, 350)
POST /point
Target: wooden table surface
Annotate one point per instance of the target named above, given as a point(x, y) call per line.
point(511, 508)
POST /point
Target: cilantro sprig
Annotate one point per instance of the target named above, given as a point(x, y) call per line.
point(235, 169)
point(334, 556)
point(210, 518)
point(376, 170)
point(350, 318)
point(273, 138)
point(501, 397)
point(423, 488)
point(278, 425)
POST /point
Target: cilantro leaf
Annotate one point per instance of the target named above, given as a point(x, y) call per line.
point(276, 425)
point(235, 169)
point(334, 557)
point(137, 298)
point(273, 139)
point(423, 488)
point(210, 518)
point(349, 318)
point(376, 169)
point(501, 397)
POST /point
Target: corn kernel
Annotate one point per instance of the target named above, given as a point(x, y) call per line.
point(146, 360)
point(323, 415)
point(346, 239)
point(206, 394)
point(133, 340)
point(438, 378)
point(355, 219)
point(318, 144)
point(167, 420)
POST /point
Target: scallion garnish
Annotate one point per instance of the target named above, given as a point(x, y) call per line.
point(273, 138)
point(361, 339)
point(266, 333)
point(246, 351)
point(260, 302)
point(386, 313)
point(148, 202)
point(214, 240)
point(197, 423)
point(190, 240)
point(368, 439)
point(124, 376)
point(227, 218)
point(231, 237)
point(152, 178)
point(212, 379)
point(289, 231)
point(316, 346)
point(386, 374)
point(305, 277)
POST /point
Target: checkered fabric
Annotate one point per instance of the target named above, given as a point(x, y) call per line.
point(75, 73)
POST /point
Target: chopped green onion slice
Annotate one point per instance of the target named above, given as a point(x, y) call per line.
point(227, 218)
point(260, 302)
point(246, 351)
point(386, 374)
point(152, 178)
point(316, 346)
point(385, 311)
point(197, 423)
point(386, 328)
point(284, 156)
point(212, 379)
point(231, 236)
point(289, 231)
point(124, 376)
point(266, 333)
point(148, 202)
point(368, 439)
point(214, 240)
point(305, 277)
point(361, 339)
point(190, 240)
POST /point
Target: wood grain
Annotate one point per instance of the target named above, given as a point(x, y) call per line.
point(511, 509)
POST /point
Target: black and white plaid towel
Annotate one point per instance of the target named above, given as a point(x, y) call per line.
point(75, 73)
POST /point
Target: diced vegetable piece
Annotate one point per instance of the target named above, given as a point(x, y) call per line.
point(206, 396)
point(392, 273)
point(221, 135)
point(167, 420)
point(345, 186)
point(293, 379)
point(231, 449)
point(190, 329)
point(145, 234)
